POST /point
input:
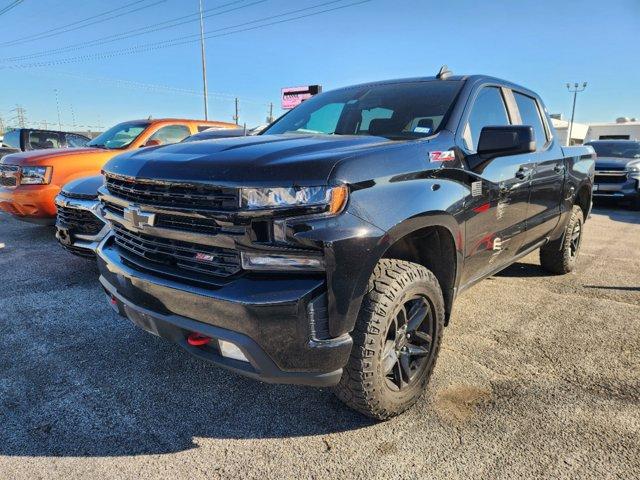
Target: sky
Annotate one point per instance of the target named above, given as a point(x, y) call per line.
point(99, 63)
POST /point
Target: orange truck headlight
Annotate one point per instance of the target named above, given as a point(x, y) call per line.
point(35, 175)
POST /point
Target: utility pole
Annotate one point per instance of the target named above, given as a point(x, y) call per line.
point(236, 117)
point(575, 90)
point(270, 117)
point(1, 126)
point(73, 116)
point(20, 116)
point(58, 108)
point(204, 64)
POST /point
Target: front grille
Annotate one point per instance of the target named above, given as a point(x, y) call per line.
point(79, 221)
point(178, 255)
point(190, 224)
point(8, 176)
point(175, 222)
point(617, 178)
point(611, 168)
point(171, 194)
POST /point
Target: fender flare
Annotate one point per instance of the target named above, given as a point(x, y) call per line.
point(398, 232)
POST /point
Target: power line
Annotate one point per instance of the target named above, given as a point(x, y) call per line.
point(144, 30)
point(10, 6)
point(158, 88)
point(76, 25)
point(182, 40)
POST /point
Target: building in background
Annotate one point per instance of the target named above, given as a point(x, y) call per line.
point(622, 129)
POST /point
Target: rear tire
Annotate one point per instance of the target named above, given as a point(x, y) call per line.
point(396, 340)
point(560, 256)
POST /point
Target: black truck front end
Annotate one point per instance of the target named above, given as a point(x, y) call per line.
point(251, 291)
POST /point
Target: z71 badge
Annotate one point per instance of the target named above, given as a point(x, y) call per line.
point(442, 156)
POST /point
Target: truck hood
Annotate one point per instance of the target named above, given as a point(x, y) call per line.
point(86, 187)
point(614, 163)
point(49, 156)
point(267, 160)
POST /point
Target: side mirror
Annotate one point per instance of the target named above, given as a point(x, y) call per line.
point(153, 143)
point(501, 141)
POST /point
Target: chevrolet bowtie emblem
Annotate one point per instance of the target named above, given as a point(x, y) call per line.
point(138, 218)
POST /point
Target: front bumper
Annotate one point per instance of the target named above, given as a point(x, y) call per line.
point(70, 236)
point(270, 318)
point(31, 203)
point(617, 185)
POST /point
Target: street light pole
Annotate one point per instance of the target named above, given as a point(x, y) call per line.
point(204, 64)
point(576, 89)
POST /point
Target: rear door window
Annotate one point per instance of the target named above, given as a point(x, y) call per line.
point(171, 134)
point(41, 140)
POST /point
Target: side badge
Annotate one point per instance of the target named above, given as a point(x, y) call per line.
point(442, 156)
point(476, 189)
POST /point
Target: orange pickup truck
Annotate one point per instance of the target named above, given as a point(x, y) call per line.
point(30, 181)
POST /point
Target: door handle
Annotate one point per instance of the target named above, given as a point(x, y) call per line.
point(523, 172)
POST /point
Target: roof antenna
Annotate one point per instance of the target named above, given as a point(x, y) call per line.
point(444, 73)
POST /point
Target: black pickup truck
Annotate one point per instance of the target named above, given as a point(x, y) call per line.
point(26, 139)
point(329, 250)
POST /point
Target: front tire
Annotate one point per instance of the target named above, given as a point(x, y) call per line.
point(560, 256)
point(396, 340)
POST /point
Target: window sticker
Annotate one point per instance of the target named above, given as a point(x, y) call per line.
point(426, 130)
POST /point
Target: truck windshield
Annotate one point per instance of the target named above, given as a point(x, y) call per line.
point(617, 149)
point(120, 136)
point(398, 111)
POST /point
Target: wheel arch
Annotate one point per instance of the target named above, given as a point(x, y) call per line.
point(433, 241)
point(583, 199)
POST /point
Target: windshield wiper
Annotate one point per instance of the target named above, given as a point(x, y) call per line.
point(98, 145)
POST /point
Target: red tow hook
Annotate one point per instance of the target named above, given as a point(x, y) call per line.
point(197, 339)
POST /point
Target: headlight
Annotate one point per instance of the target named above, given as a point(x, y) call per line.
point(634, 167)
point(265, 198)
point(35, 175)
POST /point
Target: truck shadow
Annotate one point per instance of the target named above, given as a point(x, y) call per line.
point(154, 399)
point(523, 270)
point(608, 287)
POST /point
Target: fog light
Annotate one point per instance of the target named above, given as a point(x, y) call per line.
point(274, 261)
point(230, 350)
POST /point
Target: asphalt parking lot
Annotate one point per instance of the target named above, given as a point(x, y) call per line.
point(539, 376)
